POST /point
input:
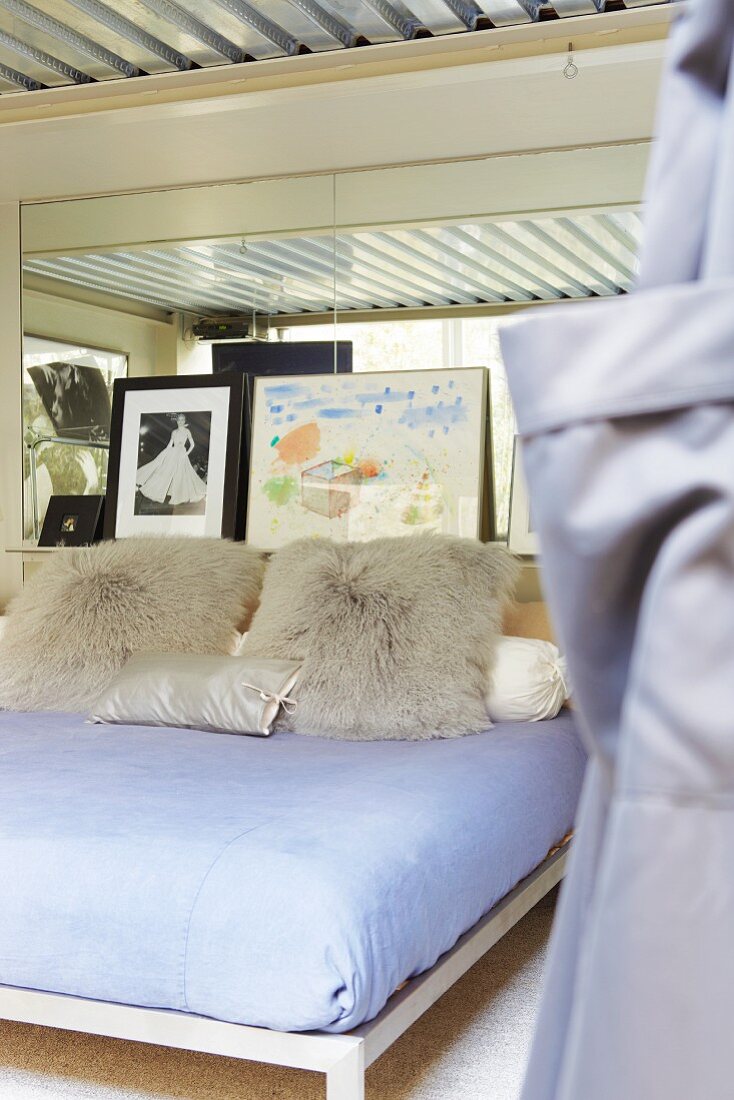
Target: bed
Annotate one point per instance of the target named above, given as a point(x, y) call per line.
point(266, 898)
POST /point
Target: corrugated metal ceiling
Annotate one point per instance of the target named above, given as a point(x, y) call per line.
point(472, 264)
point(49, 43)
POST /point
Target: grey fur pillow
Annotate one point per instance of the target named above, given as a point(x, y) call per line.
point(396, 637)
point(87, 610)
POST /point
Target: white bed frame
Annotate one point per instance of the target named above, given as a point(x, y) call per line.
point(343, 1058)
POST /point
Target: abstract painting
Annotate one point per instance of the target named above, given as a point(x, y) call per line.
point(368, 455)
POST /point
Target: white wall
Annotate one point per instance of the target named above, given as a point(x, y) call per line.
point(150, 345)
point(11, 569)
point(193, 357)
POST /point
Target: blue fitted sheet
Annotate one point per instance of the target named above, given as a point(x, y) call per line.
point(290, 882)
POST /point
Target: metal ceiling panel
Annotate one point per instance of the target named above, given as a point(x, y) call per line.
point(447, 16)
point(312, 24)
point(477, 263)
point(281, 39)
point(537, 259)
point(244, 34)
point(406, 264)
point(107, 38)
point(194, 30)
point(508, 13)
point(39, 64)
point(52, 42)
point(43, 30)
point(23, 80)
point(134, 31)
point(398, 16)
point(268, 267)
point(554, 237)
point(565, 8)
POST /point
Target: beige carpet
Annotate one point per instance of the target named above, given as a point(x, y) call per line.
point(472, 1045)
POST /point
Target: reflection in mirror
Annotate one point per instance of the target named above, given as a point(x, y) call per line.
point(67, 401)
point(432, 259)
point(157, 284)
point(390, 270)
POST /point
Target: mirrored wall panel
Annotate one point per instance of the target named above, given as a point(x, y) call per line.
point(67, 407)
point(447, 254)
point(404, 273)
point(185, 282)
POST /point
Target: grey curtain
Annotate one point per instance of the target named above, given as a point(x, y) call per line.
point(626, 409)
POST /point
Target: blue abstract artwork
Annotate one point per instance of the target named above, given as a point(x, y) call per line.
point(365, 456)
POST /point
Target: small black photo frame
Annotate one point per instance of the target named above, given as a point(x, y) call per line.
point(72, 521)
point(177, 457)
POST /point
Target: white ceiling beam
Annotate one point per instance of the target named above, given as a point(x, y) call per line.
point(645, 23)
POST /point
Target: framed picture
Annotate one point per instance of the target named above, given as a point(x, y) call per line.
point(258, 359)
point(177, 462)
point(368, 455)
point(521, 539)
point(72, 521)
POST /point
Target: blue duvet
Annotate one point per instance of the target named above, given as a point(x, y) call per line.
point(289, 882)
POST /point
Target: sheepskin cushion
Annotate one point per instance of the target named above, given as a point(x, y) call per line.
point(396, 637)
point(87, 610)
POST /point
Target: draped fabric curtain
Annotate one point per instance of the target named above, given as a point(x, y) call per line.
point(626, 409)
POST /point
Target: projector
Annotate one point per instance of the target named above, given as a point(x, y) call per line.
point(221, 328)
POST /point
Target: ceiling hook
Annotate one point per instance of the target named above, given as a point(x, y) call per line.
point(570, 69)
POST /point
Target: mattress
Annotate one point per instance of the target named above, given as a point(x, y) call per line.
point(291, 882)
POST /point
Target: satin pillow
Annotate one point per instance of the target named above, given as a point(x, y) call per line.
point(203, 692)
point(529, 682)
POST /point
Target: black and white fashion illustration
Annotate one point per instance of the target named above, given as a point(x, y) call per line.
point(171, 477)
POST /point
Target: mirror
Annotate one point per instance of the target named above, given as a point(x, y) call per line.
point(392, 270)
point(444, 255)
point(165, 283)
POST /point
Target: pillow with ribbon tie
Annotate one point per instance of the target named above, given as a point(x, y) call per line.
point(203, 692)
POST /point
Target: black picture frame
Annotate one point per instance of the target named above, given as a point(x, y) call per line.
point(253, 359)
point(260, 359)
point(73, 521)
point(235, 466)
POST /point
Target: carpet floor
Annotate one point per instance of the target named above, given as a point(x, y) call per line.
point(471, 1045)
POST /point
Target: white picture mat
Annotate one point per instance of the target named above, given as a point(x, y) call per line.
point(521, 538)
point(137, 402)
point(456, 461)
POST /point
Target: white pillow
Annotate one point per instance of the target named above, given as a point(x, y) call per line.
point(529, 682)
